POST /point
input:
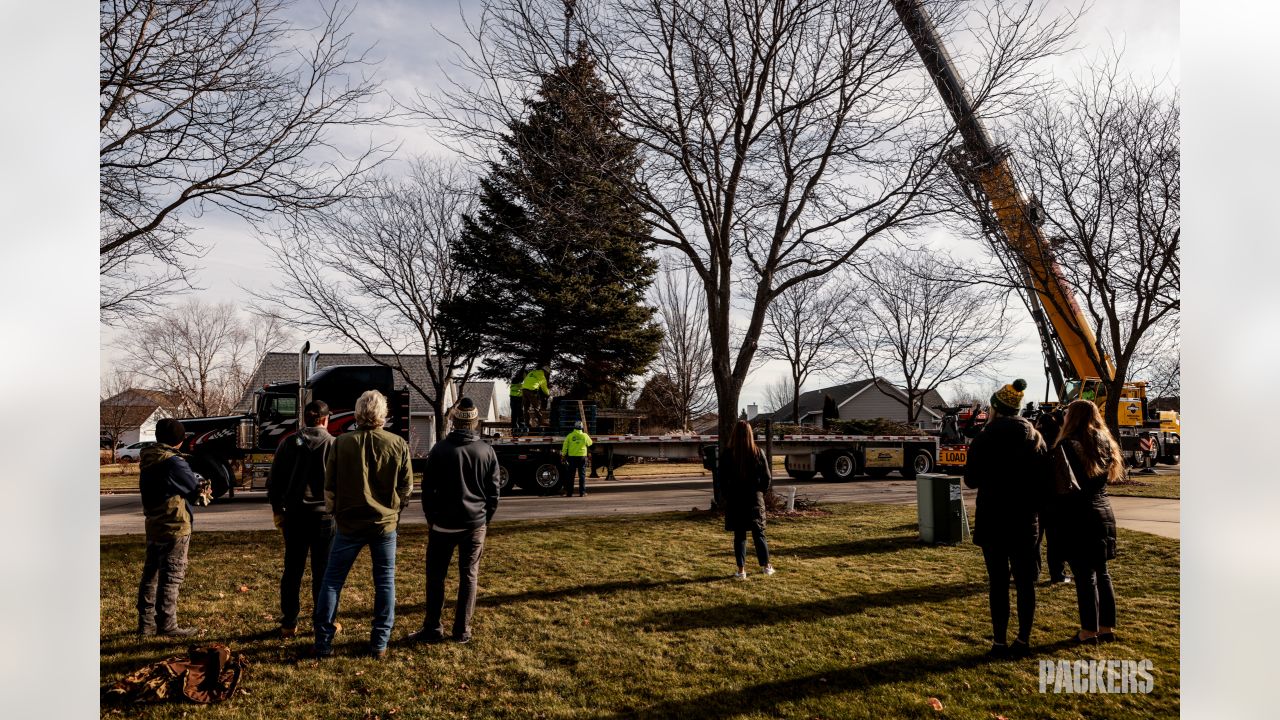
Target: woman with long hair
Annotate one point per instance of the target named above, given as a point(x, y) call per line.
point(1088, 525)
point(744, 476)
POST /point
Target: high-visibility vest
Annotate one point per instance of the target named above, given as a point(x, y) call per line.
point(575, 444)
point(517, 389)
point(536, 380)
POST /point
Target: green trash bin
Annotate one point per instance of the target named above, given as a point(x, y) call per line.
point(940, 509)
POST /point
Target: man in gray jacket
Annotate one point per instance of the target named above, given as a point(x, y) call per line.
point(460, 489)
point(296, 491)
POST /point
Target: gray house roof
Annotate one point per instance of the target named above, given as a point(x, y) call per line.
point(283, 367)
point(811, 402)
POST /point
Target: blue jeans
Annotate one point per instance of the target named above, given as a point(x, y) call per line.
point(382, 552)
point(740, 547)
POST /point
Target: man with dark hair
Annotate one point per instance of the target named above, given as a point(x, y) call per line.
point(296, 490)
point(1007, 464)
point(168, 487)
point(459, 495)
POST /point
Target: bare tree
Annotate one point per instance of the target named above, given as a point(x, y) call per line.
point(778, 394)
point(804, 327)
point(384, 277)
point(201, 354)
point(220, 103)
point(1157, 360)
point(1102, 156)
point(922, 323)
point(684, 357)
point(777, 137)
point(115, 418)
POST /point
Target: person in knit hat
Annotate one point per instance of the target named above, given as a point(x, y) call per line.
point(1007, 465)
point(460, 488)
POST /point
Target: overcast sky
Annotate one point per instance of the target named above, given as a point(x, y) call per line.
point(411, 53)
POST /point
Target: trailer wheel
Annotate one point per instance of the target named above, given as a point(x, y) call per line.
point(546, 477)
point(920, 464)
point(878, 473)
point(505, 480)
point(839, 466)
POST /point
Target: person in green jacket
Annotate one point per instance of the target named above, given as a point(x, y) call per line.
point(518, 420)
point(367, 481)
point(536, 391)
point(574, 450)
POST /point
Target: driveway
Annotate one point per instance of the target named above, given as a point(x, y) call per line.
point(122, 514)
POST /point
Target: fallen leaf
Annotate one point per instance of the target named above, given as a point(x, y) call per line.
point(244, 588)
point(359, 673)
point(935, 703)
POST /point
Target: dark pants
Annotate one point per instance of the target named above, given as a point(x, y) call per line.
point(517, 412)
point(1050, 536)
point(576, 465)
point(1094, 594)
point(440, 546)
point(162, 574)
point(740, 547)
point(305, 533)
point(1021, 560)
point(534, 404)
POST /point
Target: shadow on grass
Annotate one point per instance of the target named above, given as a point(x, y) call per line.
point(865, 546)
point(764, 698)
point(751, 614)
point(564, 593)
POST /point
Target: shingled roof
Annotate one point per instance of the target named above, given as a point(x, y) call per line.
point(283, 367)
point(811, 402)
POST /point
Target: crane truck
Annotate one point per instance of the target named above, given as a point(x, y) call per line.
point(1073, 360)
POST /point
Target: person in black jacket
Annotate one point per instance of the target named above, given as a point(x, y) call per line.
point(460, 487)
point(1006, 465)
point(296, 491)
point(744, 479)
point(1088, 524)
point(1049, 424)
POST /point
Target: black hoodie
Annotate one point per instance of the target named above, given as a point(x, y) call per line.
point(460, 485)
point(297, 472)
point(1007, 464)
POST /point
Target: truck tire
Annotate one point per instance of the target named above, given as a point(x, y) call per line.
point(214, 470)
point(546, 478)
point(878, 473)
point(839, 466)
point(921, 462)
point(506, 480)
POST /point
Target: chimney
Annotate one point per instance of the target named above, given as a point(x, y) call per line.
point(752, 411)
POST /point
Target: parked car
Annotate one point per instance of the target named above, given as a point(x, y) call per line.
point(130, 453)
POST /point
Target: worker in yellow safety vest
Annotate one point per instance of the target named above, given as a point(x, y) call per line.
point(535, 392)
point(518, 420)
point(574, 451)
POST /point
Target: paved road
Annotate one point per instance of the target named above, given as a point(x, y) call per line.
point(122, 514)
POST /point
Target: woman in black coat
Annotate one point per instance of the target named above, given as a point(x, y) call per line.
point(744, 478)
point(1088, 526)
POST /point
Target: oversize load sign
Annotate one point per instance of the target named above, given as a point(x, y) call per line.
point(884, 457)
point(956, 456)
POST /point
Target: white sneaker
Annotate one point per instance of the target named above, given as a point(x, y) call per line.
point(740, 575)
point(768, 570)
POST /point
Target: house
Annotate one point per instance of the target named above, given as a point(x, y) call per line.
point(131, 416)
point(862, 400)
point(283, 367)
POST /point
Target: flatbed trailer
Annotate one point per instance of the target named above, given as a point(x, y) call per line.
point(533, 462)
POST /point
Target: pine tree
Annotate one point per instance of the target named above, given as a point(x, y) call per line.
point(557, 257)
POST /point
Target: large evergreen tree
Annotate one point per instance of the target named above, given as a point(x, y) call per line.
point(557, 257)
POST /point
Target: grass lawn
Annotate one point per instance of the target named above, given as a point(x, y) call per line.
point(119, 477)
point(1164, 484)
point(638, 617)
